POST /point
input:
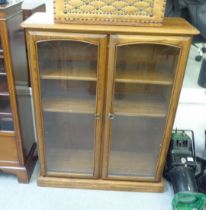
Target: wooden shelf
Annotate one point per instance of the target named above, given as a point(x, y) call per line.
point(70, 74)
point(132, 164)
point(4, 94)
point(144, 77)
point(70, 160)
point(140, 105)
point(4, 113)
point(74, 105)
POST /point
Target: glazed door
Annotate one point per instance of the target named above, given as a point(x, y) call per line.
point(11, 151)
point(6, 116)
point(68, 85)
point(141, 80)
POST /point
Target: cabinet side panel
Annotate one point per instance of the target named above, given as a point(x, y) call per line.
point(24, 100)
point(17, 48)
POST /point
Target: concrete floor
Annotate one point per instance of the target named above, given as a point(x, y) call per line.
point(15, 196)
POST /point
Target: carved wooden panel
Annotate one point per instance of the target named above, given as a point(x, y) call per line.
point(112, 12)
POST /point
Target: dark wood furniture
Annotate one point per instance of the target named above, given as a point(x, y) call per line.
point(16, 150)
point(105, 100)
point(29, 8)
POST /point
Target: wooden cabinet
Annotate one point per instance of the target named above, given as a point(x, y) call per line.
point(105, 101)
point(16, 151)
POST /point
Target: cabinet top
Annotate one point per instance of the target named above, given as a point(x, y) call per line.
point(171, 26)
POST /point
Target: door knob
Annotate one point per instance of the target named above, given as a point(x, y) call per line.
point(111, 116)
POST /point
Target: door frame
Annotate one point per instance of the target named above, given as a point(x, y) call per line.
point(33, 37)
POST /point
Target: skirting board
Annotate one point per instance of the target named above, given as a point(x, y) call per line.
point(101, 184)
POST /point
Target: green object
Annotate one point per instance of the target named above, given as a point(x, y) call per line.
point(180, 137)
point(189, 201)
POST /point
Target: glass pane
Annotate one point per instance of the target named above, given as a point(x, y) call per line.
point(69, 146)
point(143, 86)
point(68, 72)
point(2, 68)
point(141, 99)
point(146, 63)
point(68, 60)
point(68, 96)
point(1, 50)
point(3, 84)
point(6, 121)
point(135, 145)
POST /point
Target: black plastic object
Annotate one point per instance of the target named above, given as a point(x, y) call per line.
point(201, 176)
point(181, 158)
point(183, 179)
point(181, 151)
point(201, 179)
point(180, 171)
point(198, 58)
point(202, 75)
point(3, 1)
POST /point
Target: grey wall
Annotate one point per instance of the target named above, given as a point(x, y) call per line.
point(49, 4)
